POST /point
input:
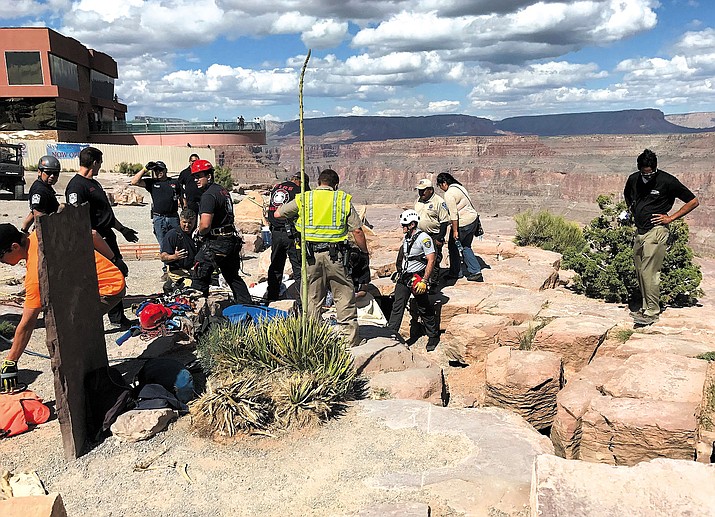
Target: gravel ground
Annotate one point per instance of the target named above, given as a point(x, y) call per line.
point(322, 471)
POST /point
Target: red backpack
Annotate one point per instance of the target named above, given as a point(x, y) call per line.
point(17, 410)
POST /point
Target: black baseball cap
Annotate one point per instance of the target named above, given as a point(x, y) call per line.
point(8, 235)
point(160, 166)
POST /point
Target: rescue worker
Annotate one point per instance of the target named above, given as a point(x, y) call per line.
point(165, 194)
point(415, 266)
point(434, 221)
point(42, 197)
point(221, 245)
point(330, 217)
point(83, 188)
point(178, 252)
point(283, 236)
point(191, 193)
point(16, 246)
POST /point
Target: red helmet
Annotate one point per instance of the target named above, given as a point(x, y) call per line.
point(153, 315)
point(200, 166)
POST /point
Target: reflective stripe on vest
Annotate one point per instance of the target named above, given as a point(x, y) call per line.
point(326, 212)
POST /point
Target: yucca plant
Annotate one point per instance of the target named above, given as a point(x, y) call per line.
point(304, 369)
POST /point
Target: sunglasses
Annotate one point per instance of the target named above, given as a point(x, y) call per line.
point(51, 173)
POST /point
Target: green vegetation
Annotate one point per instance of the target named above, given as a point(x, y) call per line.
point(623, 335)
point(603, 256)
point(222, 176)
point(707, 356)
point(7, 329)
point(547, 231)
point(272, 376)
point(707, 416)
point(526, 339)
point(129, 168)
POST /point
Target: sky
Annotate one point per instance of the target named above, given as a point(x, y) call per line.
point(200, 59)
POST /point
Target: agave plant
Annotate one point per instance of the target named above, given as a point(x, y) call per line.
point(281, 373)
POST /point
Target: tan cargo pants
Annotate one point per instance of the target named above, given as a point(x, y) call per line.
point(648, 254)
point(325, 274)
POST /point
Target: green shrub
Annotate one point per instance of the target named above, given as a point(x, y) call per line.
point(129, 168)
point(547, 231)
point(222, 176)
point(31, 167)
point(276, 374)
point(605, 268)
point(7, 329)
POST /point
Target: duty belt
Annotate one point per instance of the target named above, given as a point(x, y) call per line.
point(319, 247)
point(153, 214)
point(223, 231)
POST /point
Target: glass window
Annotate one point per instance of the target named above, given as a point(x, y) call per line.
point(102, 86)
point(23, 68)
point(27, 113)
point(67, 114)
point(64, 73)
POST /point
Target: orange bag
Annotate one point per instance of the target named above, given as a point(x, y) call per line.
point(19, 410)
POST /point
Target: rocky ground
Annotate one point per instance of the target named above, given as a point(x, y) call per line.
point(405, 456)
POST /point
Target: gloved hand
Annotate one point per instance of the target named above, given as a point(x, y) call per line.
point(121, 265)
point(420, 287)
point(197, 237)
point(129, 234)
point(8, 376)
point(150, 166)
point(459, 246)
point(395, 277)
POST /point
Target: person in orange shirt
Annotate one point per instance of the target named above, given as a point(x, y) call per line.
point(16, 246)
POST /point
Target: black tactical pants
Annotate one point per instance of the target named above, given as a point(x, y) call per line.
point(282, 247)
point(424, 310)
point(222, 253)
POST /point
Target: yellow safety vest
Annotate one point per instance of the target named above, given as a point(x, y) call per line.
point(326, 213)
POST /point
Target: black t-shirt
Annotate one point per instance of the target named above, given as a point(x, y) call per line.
point(179, 240)
point(217, 201)
point(80, 190)
point(189, 188)
point(164, 195)
point(281, 194)
point(657, 196)
point(42, 197)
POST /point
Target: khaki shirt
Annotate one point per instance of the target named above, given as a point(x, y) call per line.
point(459, 205)
point(290, 211)
point(432, 213)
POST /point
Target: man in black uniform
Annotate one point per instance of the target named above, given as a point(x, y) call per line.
point(221, 244)
point(192, 194)
point(650, 194)
point(83, 188)
point(165, 193)
point(42, 196)
point(178, 252)
point(283, 235)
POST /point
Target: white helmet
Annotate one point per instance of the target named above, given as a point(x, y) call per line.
point(409, 216)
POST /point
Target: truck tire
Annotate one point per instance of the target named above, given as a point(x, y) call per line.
point(19, 192)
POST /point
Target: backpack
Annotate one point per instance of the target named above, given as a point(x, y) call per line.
point(20, 410)
point(107, 395)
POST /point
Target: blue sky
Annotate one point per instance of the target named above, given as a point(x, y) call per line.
point(196, 59)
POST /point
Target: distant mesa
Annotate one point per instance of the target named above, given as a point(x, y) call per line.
point(625, 122)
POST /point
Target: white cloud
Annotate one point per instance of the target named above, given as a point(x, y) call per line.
point(325, 34)
point(443, 106)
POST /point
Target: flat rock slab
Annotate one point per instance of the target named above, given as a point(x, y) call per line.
point(576, 339)
point(33, 506)
point(517, 303)
point(470, 337)
point(685, 344)
point(395, 510)
point(525, 382)
point(626, 431)
point(414, 383)
point(521, 272)
point(659, 376)
point(494, 475)
point(562, 488)
point(381, 354)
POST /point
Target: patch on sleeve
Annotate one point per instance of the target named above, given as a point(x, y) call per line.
point(35, 199)
point(72, 198)
point(427, 243)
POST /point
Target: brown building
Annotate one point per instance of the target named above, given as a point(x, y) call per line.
point(53, 84)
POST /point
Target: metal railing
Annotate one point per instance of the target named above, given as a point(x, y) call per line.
point(177, 127)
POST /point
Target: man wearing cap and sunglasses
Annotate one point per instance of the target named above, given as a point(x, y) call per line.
point(42, 197)
point(221, 245)
point(434, 221)
point(165, 194)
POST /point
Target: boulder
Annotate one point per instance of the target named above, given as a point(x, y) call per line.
point(658, 487)
point(290, 306)
point(575, 339)
point(517, 303)
point(626, 431)
point(414, 384)
point(34, 506)
point(142, 424)
point(520, 272)
point(572, 402)
point(525, 382)
point(381, 354)
point(467, 385)
point(470, 337)
point(659, 376)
